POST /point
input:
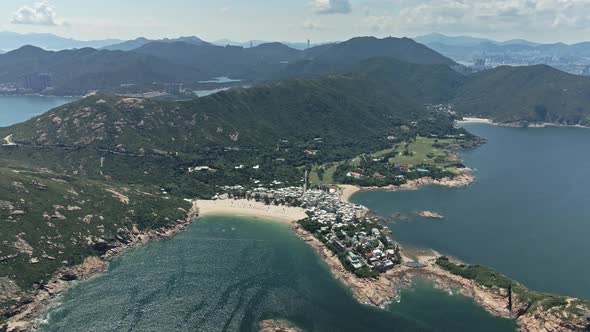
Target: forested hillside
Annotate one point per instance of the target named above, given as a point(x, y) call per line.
point(533, 94)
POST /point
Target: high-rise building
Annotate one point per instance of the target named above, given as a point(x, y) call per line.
point(173, 88)
point(37, 82)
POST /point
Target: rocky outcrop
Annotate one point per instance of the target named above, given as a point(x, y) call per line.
point(34, 304)
point(555, 319)
point(8, 289)
point(277, 325)
point(463, 178)
point(430, 215)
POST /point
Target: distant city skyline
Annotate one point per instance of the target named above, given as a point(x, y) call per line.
point(298, 20)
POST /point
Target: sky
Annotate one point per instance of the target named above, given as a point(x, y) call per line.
point(298, 20)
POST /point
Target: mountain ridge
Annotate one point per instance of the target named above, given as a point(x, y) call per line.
point(13, 40)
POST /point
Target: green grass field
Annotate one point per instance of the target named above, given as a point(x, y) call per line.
point(422, 151)
point(328, 176)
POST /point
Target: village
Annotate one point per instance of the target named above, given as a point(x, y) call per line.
point(360, 241)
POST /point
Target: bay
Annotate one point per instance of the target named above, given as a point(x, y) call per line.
point(527, 215)
point(228, 273)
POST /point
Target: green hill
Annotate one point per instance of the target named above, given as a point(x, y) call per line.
point(69, 161)
point(341, 56)
point(533, 94)
point(75, 72)
point(371, 101)
point(362, 48)
point(149, 141)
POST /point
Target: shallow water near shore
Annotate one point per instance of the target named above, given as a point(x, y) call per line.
point(527, 214)
point(228, 273)
point(15, 109)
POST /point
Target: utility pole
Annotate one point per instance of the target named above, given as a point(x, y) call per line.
point(510, 298)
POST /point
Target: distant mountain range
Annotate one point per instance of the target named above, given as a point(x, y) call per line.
point(295, 45)
point(573, 58)
point(12, 40)
point(466, 41)
point(139, 42)
point(191, 60)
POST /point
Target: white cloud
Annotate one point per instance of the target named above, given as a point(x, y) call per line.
point(331, 6)
point(40, 13)
point(313, 25)
point(499, 17)
point(379, 23)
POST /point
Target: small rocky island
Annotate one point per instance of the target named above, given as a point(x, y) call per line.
point(430, 215)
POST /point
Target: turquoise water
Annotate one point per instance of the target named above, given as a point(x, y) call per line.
point(527, 215)
point(15, 109)
point(228, 273)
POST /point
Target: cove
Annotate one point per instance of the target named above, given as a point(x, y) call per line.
point(527, 214)
point(228, 273)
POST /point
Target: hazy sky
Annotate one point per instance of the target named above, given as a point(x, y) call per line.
point(297, 20)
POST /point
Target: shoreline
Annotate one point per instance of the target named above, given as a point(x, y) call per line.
point(242, 207)
point(517, 124)
point(382, 291)
point(463, 179)
point(378, 292)
point(25, 316)
point(475, 120)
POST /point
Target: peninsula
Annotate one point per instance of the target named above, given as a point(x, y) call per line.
point(87, 178)
point(359, 252)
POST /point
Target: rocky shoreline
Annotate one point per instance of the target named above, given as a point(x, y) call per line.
point(277, 325)
point(520, 124)
point(463, 178)
point(377, 292)
point(24, 314)
point(382, 291)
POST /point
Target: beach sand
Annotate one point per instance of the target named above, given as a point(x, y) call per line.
point(347, 191)
point(242, 207)
point(475, 120)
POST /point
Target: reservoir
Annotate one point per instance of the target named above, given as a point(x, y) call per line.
point(527, 215)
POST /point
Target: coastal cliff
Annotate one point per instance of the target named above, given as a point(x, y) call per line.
point(531, 316)
point(33, 305)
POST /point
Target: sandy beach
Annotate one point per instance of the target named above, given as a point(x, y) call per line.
point(347, 191)
point(242, 207)
point(475, 120)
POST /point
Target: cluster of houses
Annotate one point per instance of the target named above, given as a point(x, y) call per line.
point(345, 228)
